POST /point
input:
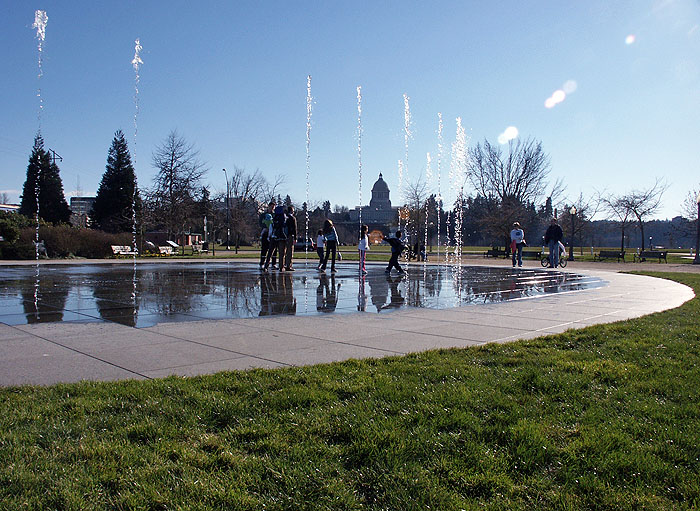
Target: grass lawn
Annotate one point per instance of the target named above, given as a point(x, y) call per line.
point(607, 417)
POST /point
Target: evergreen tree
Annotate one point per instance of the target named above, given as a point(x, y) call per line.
point(112, 211)
point(52, 202)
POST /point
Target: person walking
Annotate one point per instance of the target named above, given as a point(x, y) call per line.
point(363, 247)
point(331, 242)
point(552, 238)
point(517, 242)
point(397, 246)
point(291, 238)
point(320, 243)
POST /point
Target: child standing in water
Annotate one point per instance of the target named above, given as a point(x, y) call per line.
point(320, 242)
point(363, 247)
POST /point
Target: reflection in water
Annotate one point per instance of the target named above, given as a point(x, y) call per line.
point(327, 293)
point(43, 300)
point(186, 292)
point(277, 294)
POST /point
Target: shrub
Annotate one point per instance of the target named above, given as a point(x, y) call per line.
point(65, 241)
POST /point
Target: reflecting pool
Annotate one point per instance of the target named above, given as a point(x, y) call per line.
point(154, 293)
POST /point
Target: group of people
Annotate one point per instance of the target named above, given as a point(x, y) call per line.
point(277, 237)
point(279, 232)
point(552, 239)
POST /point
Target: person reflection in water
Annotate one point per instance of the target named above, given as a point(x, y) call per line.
point(361, 296)
point(277, 295)
point(327, 296)
point(397, 300)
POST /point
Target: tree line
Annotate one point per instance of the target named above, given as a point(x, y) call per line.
point(508, 183)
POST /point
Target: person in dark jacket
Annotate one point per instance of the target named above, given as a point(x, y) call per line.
point(397, 246)
point(291, 237)
point(552, 238)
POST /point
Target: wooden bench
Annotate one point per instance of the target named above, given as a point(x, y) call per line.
point(123, 250)
point(609, 254)
point(495, 252)
point(531, 254)
point(650, 254)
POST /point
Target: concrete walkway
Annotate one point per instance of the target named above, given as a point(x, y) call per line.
point(50, 353)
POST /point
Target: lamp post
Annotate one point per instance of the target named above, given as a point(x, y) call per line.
point(572, 212)
point(697, 235)
point(228, 224)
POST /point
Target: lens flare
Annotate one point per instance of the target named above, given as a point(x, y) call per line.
point(509, 134)
point(557, 97)
point(630, 39)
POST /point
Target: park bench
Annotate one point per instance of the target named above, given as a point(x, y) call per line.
point(651, 254)
point(531, 254)
point(495, 252)
point(123, 250)
point(165, 250)
point(609, 254)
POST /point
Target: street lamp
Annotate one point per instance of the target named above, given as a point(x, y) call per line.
point(697, 236)
point(572, 212)
point(228, 224)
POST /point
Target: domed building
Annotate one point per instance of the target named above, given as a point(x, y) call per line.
point(380, 210)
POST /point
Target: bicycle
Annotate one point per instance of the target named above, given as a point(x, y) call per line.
point(544, 261)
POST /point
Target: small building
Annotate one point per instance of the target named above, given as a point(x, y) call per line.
point(80, 210)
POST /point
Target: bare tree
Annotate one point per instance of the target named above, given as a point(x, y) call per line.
point(619, 212)
point(689, 206)
point(644, 203)
point(247, 193)
point(416, 194)
point(4, 198)
point(177, 183)
point(586, 209)
point(521, 174)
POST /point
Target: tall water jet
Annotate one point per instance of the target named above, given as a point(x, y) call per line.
point(428, 179)
point(439, 191)
point(40, 21)
point(458, 171)
point(309, 105)
point(136, 64)
point(400, 171)
point(359, 151)
point(407, 134)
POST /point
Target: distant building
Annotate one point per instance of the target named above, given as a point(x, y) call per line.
point(380, 210)
point(80, 209)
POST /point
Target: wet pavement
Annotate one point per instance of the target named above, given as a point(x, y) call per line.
point(150, 293)
point(79, 322)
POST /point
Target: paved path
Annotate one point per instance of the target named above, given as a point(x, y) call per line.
point(49, 353)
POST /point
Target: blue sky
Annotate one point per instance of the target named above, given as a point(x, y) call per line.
point(231, 78)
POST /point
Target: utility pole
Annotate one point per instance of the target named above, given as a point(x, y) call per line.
point(228, 223)
point(55, 156)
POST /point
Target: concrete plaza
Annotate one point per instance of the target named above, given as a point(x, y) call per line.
point(48, 353)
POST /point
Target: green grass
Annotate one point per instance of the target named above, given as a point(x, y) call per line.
point(607, 417)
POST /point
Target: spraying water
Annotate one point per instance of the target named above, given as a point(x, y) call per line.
point(309, 104)
point(407, 134)
point(428, 178)
point(359, 149)
point(439, 191)
point(136, 63)
point(458, 171)
point(400, 170)
point(40, 21)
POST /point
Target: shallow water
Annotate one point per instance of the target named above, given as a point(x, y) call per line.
point(187, 292)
